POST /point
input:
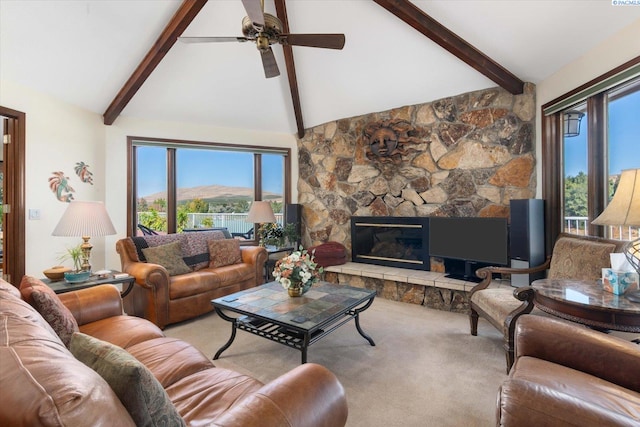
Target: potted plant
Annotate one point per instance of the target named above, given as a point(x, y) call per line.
point(77, 275)
point(274, 234)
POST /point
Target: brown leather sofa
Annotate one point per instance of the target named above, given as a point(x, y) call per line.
point(165, 299)
point(42, 384)
point(568, 375)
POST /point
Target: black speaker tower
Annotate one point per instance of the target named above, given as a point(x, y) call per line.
point(526, 238)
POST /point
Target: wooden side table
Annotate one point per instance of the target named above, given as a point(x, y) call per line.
point(61, 286)
point(587, 303)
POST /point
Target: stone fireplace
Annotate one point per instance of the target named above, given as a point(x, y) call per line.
point(466, 155)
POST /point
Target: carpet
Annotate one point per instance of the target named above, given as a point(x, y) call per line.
point(425, 370)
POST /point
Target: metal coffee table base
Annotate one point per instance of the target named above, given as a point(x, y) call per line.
point(289, 335)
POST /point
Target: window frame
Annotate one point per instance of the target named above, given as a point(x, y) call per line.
point(553, 161)
point(172, 145)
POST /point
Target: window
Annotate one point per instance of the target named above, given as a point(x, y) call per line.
point(181, 186)
point(580, 172)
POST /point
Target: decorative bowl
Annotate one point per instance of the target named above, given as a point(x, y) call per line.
point(77, 276)
point(56, 273)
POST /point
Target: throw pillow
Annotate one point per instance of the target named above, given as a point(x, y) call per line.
point(51, 308)
point(224, 252)
point(169, 256)
point(196, 254)
point(136, 387)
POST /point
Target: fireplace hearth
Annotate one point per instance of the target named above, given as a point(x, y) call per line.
point(391, 241)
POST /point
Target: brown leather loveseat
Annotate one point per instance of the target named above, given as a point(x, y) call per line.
point(568, 375)
point(43, 384)
point(164, 298)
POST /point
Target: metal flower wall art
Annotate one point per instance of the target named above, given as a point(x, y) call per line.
point(59, 184)
point(82, 170)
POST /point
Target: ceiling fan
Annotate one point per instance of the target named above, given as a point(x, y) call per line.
point(264, 30)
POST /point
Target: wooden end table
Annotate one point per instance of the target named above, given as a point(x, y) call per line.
point(586, 302)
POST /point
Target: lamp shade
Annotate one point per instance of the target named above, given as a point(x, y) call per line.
point(624, 208)
point(85, 219)
point(261, 212)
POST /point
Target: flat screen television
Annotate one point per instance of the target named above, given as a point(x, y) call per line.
point(467, 244)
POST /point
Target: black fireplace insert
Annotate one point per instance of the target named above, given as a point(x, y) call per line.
point(391, 241)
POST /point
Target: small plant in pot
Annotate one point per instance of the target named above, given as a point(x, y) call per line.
point(77, 275)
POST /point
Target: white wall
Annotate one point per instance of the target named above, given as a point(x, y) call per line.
point(58, 136)
point(612, 52)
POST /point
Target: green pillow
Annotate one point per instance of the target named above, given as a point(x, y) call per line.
point(136, 387)
point(169, 256)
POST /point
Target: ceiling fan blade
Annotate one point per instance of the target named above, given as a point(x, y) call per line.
point(254, 11)
point(269, 63)
point(327, 41)
point(212, 39)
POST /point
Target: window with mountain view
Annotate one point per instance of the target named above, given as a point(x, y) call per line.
point(181, 186)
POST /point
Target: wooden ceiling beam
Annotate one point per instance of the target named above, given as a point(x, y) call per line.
point(281, 11)
point(431, 28)
point(187, 11)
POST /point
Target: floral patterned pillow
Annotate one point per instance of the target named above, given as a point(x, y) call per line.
point(224, 252)
point(51, 308)
point(169, 256)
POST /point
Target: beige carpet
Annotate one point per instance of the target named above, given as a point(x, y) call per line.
point(425, 370)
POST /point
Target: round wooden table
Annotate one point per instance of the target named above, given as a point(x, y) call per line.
point(587, 303)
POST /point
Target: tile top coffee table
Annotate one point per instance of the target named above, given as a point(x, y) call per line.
point(297, 322)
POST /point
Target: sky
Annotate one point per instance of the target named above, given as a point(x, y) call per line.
point(218, 167)
point(624, 139)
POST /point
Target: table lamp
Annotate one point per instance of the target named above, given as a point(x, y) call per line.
point(260, 213)
point(85, 219)
point(624, 210)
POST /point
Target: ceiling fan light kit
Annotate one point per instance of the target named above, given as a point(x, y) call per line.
point(265, 29)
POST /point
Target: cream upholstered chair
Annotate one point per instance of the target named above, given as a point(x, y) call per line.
point(574, 257)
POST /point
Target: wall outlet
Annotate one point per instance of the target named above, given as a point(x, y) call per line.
point(34, 214)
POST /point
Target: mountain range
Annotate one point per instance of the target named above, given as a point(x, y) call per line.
point(213, 193)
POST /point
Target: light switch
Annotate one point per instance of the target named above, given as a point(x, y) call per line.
point(34, 214)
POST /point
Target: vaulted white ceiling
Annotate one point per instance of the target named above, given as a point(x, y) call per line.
point(83, 52)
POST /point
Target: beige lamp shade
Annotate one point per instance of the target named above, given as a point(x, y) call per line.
point(85, 219)
point(261, 212)
point(624, 208)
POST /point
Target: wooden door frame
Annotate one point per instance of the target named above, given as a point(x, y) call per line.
point(14, 178)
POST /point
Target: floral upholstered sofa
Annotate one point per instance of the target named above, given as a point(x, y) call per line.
point(177, 275)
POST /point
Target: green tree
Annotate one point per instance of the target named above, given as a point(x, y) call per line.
point(153, 220)
point(277, 207)
point(182, 216)
point(197, 206)
point(207, 222)
point(160, 205)
point(142, 205)
point(241, 206)
point(575, 195)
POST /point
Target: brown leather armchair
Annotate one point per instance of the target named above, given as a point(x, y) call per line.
point(574, 257)
point(568, 375)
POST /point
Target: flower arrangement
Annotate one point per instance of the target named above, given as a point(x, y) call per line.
point(297, 271)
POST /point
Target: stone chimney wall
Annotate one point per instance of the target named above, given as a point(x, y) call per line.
point(466, 155)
